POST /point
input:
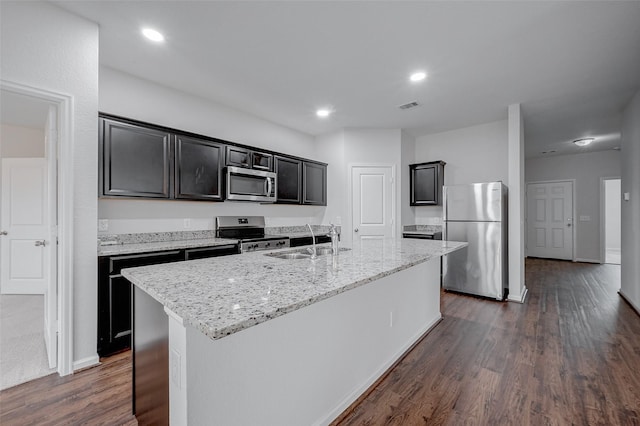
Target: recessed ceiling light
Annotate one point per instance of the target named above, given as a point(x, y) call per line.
point(323, 112)
point(584, 141)
point(418, 76)
point(152, 35)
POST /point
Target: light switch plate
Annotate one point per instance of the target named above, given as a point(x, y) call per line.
point(626, 196)
point(585, 218)
point(103, 225)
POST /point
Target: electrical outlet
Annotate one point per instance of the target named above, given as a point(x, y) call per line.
point(103, 225)
point(585, 218)
point(187, 223)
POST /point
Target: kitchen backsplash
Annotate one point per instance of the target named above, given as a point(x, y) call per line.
point(423, 228)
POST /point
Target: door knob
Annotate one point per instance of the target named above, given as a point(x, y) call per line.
point(40, 243)
point(4, 233)
point(356, 230)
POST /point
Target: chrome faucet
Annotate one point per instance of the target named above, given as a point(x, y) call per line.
point(313, 251)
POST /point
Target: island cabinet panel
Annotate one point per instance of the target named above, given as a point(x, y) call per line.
point(289, 175)
point(425, 182)
point(135, 160)
point(314, 183)
point(114, 291)
point(198, 169)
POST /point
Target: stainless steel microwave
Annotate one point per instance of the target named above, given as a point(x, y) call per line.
point(251, 185)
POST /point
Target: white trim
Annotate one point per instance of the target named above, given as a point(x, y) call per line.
point(87, 362)
point(579, 259)
point(64, 104)
point(573, 213)
point(629, 301)
point(603, 212)
point(519, 298)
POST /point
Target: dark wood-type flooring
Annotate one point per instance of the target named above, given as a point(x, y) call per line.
point(569, 356)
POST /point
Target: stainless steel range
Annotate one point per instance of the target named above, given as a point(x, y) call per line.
point(250, 231)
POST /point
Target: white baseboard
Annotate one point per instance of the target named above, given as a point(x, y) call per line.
point(629, 301)
point(518, 297)
point(89, 361)
point(588, 260)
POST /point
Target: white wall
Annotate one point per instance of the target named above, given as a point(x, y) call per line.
point(408, 156)
point(613, 207)
point(630, 151)
point(473, 154)
point(124, 95)
point(23, 142)
point(45, 47)
point(330, 149)
point(586, 169)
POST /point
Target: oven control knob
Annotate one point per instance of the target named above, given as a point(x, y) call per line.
point(267, 245)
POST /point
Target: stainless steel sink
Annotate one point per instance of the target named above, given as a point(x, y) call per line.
point(303, 253)
point(291, 255)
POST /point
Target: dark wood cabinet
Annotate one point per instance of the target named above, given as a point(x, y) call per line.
point(243, 157)
point(425, 183)
point(307, 241)
point(198, 169)
point(114, 290)
point(135, 160)
point(314, 183)
point(289, 175)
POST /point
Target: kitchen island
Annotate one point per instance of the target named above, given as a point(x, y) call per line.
point(255, 339)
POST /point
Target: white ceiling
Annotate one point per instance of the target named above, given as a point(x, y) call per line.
point(572, 65)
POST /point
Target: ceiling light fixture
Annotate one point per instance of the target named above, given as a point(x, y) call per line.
point(584, 141)
point(152, 35)
point(418, 76)
point(323, 113)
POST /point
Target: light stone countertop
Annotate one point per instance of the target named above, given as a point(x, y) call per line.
point(143, 247)
point(223, 295)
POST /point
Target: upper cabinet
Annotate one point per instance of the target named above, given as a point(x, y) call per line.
point(198, 169)
point(135, 160)
point(145, 160)
point(301, 182)
point(314, 183)
point(289, 178)
point(242, 157)
point(426, 181)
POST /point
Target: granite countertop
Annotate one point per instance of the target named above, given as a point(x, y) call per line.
point(143, 247)
point(223, 295)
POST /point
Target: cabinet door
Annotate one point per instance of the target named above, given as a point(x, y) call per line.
point(198, 169)
point(135, 160)
point(314, 184)
point(426, 182)
point(120, 310)
point(262, 161)
point(289, 180)
point(238, 157)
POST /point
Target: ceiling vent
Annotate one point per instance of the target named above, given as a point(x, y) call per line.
point(409, 105)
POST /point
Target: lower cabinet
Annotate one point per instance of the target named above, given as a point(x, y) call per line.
point(114, 291)
point(307, 241)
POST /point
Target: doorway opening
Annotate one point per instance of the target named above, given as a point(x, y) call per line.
point(36, 239)
point(611, 218)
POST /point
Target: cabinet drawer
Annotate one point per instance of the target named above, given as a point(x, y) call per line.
point(128, 261)
point(202, 253)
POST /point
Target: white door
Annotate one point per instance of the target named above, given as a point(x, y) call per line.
point(550, 220)
point(24, 226)
point(373, 202)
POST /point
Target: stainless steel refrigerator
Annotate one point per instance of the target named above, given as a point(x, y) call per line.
point(477, 214)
